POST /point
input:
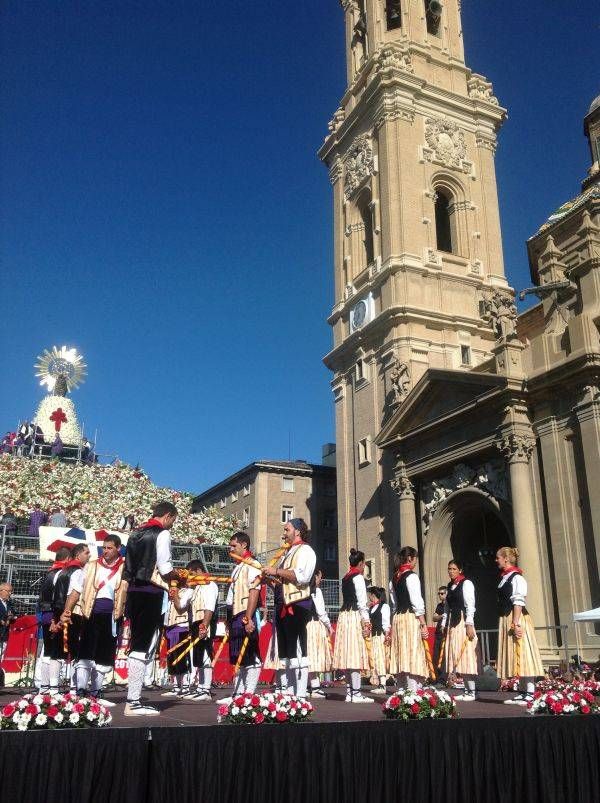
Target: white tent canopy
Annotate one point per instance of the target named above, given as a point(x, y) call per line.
point(587, 616)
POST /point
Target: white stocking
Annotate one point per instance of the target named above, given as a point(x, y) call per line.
point(136, 668)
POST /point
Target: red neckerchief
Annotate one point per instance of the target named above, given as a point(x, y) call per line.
point(152, 523)
point(406, 567)
point(66, 564)
point(511, 570)
point(351, 572)
point(374, 605)
point(114, 568)
point(458, 579)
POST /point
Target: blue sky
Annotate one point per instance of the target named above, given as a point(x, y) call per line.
point(163, 209)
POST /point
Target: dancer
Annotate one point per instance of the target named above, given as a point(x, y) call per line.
point(98, 592)
point(318, 632)
point(54, 652)
point(242, 600)
point(148, 570)
point(409, 631)
point(461, 654)
point(293, 603)
point(381, 632)
point(70, 577)
point(350, 651)
point(204, 627)
point(518, 652)
point(273, 663)
point(177, 631)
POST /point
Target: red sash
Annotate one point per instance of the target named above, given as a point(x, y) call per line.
point(116, 568)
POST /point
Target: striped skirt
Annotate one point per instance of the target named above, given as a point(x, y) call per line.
point(518, 657)
point(272, 655)
point(381, 658)
point(462, 657)
point(318, 647)
point(350, 650)
point(407, 653)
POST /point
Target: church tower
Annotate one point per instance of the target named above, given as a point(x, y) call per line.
point(417, 242)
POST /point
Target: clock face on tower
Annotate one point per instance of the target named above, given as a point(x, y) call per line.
point(358, 315)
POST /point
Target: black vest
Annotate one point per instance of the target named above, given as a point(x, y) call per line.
point(403, 604)
point(140, 557)
point(313, 609)
point(375, 617)
point(47, 592)
point(349, 601)
point(456, 602)
point(61, 588)
point(505, 592)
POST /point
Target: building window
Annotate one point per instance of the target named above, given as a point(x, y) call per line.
point(443, 223)
point(465, 355)
point(234, 496)
point(361, 370)
point(364, 451)
point(433, 15)
point(223, 502)
point(246, 517)
point(330, 520)
point(287, 483)
point(393, 14)
point(246, 490)
point(287, 513)
point(330, 551)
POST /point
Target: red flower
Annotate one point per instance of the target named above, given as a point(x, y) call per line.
point(255, 699)
point(239, 701)
point(585, 709)
point(223, 709)
point(259, 718)
point(281, 716)
point(32, 709)
point(394, 701)
point(95, 708)
point(415, 708)
point(9, 710)
point(79, 708)
point(271, 706)
point(52, 710)
point(46, 699)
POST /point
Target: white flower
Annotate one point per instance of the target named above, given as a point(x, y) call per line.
point(90, 717)
point(235, 710)
point(74, 718)
point(59, 718)
point(16, 717)
point(41, 719)
point(38, 699)
point(22, 726)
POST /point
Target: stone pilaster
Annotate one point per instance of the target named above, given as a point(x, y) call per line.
point(405, 490)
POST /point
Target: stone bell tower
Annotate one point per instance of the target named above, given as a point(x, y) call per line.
point(417, 242)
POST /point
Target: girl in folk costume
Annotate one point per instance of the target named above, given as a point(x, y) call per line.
point(518, 653)
point(461, 654)
point(177, 630)
point(203, 629)
point(318, 632)
point(353, 628)
point(409, 631)
point(381, 631)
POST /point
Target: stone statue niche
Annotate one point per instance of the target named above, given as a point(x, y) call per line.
point(500, 310)
point(400, 381)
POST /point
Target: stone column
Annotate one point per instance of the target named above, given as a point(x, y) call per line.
point(517, 448)
point(408, 521)
point(588, 417)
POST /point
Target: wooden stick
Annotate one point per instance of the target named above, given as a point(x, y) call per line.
point(66, 637)
point(517, 661)
point(238, 663)
point(185, 652)
point(248, 561)
point(369, 646)
point(442, 651)
point(428, 659)
point(457, 662)
point(178, 645)
point(220, 650)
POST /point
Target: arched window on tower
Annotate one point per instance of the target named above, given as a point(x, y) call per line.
point(433, 16)
point(444, 234)
point(366, 217)
point(393, 14)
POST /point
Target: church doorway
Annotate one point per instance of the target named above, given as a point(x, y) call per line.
point(470, 526)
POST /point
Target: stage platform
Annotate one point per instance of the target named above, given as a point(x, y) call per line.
point(348, 753)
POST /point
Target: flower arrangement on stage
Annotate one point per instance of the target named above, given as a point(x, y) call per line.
point(510, 684)
point(423, 703)
point(567, 701)
point(96, 496)
point(260, 709)
point(52, 711)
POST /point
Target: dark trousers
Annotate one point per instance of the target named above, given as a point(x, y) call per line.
point(144, 611)
point(291, 629)
point(97, 641)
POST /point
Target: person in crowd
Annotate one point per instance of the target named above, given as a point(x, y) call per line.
point(293, 603)
point(177, 631)
point(98, 592)
point(350, 652)
point(148, 571)
point(462, 656)
point(6, 447)
point(439, 646)
point(242, 601)
point(518, 652)
point(318, 635)
point(37, 519)
point(408, 659)
point(203, 607)
point(57, 518)
point(8, 615)
point(52, 634)
point(381, 632)
point(56, 448)
point(9, 522)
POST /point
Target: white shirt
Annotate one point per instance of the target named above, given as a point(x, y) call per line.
point(320, 608)
point(386, 619)
point(210, 595)
point(102, 574)
point(253, 573)
point(468, 591)
point(413, 586)
point(164, 561)
point(519, 589)
point(306, 561)
point(75, 581)
point(360, 588)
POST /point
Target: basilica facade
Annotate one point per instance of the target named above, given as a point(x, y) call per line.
point(460, 426)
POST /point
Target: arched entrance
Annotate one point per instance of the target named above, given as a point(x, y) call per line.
point(471, 526)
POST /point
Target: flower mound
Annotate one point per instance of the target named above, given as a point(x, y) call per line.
point(260, 709)
point(581, 698)
point(50, 711)
point(424, 703)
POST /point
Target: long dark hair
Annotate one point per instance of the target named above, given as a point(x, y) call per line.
point(313, 579)
point(404, 555)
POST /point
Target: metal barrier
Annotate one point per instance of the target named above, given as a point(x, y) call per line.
point(488, 641)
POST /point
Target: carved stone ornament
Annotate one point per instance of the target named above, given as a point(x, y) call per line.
point(499, 309)
point(392, 57)
point(403, 486)
point(516, 447)
point(489, 477)
point(480, 89)
point(400, 380)
point(446, 142)
point(359, 163)
point(336, 121)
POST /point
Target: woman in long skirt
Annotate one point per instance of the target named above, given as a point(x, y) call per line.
point(381, 631)
point(353, 628)
point(318, 632)
point(408, 655)
point(461, 654)
point(518, 652)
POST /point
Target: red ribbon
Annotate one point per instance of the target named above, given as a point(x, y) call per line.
point(352, 571)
